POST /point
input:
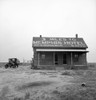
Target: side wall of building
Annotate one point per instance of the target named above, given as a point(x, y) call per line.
point(35, 57)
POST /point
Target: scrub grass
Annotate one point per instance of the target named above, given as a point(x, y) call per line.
point(77, 91)
point(74, 91)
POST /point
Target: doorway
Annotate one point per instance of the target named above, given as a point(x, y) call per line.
point(64, 58)
point(56, 59)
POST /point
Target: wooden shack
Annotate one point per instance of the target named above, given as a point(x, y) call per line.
point(59, 52)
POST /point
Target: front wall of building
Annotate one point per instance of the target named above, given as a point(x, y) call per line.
point(48, 58)
point(45, 58)
point(81, 60)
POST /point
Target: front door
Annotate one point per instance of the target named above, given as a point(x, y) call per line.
point(60, 58)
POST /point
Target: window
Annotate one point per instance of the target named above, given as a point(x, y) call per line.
point(43, 56)
point(76, 57)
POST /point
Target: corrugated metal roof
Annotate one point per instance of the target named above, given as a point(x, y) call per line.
point(58, 42)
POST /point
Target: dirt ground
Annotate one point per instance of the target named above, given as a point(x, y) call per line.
point(24, 83)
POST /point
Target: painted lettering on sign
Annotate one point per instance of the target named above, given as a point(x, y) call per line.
point(71, 42)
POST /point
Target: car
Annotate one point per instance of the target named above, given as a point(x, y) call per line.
point(13, 63)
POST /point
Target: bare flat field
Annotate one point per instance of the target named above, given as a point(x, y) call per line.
point(24, 83)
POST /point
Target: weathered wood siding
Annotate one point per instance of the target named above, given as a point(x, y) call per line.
point(46, 58)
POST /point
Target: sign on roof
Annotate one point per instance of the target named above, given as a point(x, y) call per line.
point(58, 42)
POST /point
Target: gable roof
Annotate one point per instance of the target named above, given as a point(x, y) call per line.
point(59, 42)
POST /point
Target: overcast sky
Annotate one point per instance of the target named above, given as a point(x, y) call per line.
point(20, 20)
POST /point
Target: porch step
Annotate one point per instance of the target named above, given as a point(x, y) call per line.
point(63, 67)
point(59, 68)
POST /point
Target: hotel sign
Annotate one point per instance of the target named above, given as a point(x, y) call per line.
point(59, 42)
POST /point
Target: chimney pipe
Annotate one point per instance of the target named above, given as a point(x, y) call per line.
point(76, 35)
point(40, 36)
